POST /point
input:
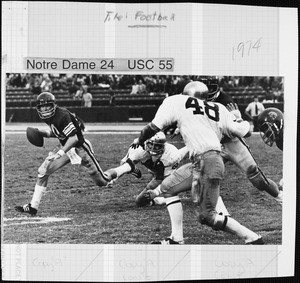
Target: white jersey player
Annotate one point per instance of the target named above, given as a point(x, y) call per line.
point(159, 157)
point(202, 125)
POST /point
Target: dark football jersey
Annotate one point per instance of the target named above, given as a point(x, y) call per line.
point(157, 167)
point(64, 124)
point(279, 141)
point(224, 99)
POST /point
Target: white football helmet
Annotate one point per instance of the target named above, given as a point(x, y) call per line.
point(196, 89)
point(156, 144)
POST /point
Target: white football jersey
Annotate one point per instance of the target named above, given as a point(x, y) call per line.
point(170, 158)
point(202, 124)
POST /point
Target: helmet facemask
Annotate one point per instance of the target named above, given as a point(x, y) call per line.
point(269, 132)
point(48, 113)
point(213, 92)
point(156, 145)
point(47, 100)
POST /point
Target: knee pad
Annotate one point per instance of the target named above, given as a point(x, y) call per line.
point(258, 180)
point(215, 221)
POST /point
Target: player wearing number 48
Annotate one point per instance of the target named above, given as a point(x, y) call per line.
point(74, 148)
point(203, 125)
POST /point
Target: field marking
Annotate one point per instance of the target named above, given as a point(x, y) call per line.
point(29, 220)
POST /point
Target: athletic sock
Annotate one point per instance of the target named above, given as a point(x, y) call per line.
point(239, 230)
point(175, 210)
point(122, 169)
point(221, 208)
point(37, 196)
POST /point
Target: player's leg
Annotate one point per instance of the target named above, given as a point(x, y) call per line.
point(179, 181)
point(238, 153)
point(45, 170)
point(127, 164)
point(212, 172)
point(93, 167)
point(127, 167)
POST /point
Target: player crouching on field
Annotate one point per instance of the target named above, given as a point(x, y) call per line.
point(67, 128)
point(159, 157)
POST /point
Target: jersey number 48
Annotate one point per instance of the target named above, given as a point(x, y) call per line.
point(210, 109)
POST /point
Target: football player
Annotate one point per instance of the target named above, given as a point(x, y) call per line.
point(235, 150)
point(202, 125)
point(232, 149)
point(159, 157)
point(74, 148)
point(270, 124)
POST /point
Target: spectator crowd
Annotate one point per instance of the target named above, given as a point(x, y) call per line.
point(136, 84)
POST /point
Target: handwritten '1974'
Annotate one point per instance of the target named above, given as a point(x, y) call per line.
point(245, 48)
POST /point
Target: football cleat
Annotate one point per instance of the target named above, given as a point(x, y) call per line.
point(26, 209)
point(167, 241)
point(136, 173)
point(259, 241)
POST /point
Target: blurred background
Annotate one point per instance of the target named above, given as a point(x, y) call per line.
point(124, 98)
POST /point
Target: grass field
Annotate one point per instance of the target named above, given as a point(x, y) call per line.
point(74, 210)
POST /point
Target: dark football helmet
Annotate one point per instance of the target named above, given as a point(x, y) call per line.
point(270, 123)
point(46, 99)
point(156, 144)
point(212, 84)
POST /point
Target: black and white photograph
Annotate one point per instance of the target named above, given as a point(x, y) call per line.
point(148, 141)
point(83, 184)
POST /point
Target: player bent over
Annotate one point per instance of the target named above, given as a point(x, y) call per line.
point(67, 128)
point(202, 125)
point(159, 157)
point(235, 150)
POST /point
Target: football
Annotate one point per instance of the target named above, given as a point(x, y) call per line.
point(34, 136)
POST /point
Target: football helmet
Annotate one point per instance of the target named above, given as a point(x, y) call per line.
point(270, 124)
point(156, 144)
point(212, 84)
point(196, 89)
point(46, 99)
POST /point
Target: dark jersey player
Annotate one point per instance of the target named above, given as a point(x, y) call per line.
point(270, 123)
point(73, 147)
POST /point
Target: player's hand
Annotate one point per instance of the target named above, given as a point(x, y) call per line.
point(234, 109)
point(150, 195)
point(55, 156)
point(135, 144)
point(176, 133)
